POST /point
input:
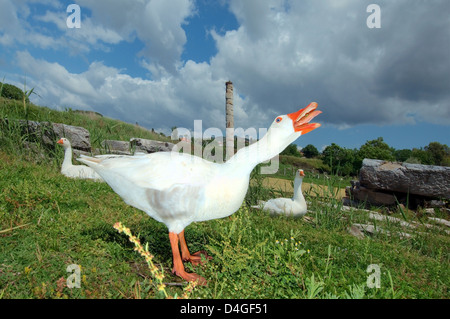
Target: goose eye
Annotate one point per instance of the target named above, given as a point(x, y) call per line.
point(278, 119)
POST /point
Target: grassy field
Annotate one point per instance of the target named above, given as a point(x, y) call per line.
point(49, 222)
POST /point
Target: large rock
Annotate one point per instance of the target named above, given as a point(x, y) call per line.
point(150, 146)
point(416, 179)
point(117, 147)
point(78, 136)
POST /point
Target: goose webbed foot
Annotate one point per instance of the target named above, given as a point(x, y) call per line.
point(178, 267)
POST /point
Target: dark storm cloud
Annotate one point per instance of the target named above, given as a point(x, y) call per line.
point(324, 51)
point(416, 65)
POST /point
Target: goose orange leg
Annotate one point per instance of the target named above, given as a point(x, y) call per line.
point(195, 258)
point(178, 268)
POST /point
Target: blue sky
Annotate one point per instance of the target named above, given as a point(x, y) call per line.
point(165, 63)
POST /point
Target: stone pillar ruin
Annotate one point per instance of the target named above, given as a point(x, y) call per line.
point(229, 140)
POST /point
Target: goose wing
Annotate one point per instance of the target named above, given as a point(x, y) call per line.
point(278, 205)
point(158, 171)
point(168, 188)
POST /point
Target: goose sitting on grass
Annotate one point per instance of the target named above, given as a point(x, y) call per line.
point(295, 206)
point(178, 189)
point(75, 171)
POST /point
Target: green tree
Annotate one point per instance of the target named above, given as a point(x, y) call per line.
point(310, 151)
point(421, 155)
point(341, 160)
point(437, 152)
point(402, 155)
point(291, 150)
point(376, 149)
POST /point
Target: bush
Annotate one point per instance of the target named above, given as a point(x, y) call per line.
point(310, 151)
point(12, 92)
point(291, 150)
point(342, 161)
point(413, 160)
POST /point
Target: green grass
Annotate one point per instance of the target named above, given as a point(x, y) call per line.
point(48, 222)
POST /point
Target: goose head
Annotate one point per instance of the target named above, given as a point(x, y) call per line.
point(300, 174)
point(64, 142)
point(285, 129)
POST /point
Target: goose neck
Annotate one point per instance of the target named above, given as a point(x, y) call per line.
point(67, 156)
point(298, 195)
point(254, 154)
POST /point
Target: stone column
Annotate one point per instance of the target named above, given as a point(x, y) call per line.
point(229, 120)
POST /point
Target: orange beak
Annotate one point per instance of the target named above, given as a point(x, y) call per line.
point(302, 118)
point(60, 142)
point(302, 173)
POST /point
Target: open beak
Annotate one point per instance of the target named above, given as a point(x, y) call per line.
point(60, 142)
point(302, 118)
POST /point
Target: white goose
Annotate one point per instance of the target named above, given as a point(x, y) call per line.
point(295, 206)
point(178, 189)
point(75, 171)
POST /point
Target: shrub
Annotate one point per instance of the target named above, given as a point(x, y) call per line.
point(12, 92)
point(310, 151)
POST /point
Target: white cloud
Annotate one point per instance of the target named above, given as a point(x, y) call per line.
point(18, 26)
point(89, 32)
point(154, 22)
point(284, 55)
point(169, 101)
point(15, 29)
point(157, 23)
point(8, 17)
point(55, 84)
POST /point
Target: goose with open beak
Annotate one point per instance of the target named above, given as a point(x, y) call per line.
point(178, 189)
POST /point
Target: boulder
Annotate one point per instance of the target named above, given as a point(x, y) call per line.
point(78, 136)
point(416, 179)
point(117, 147)
point(150, 146)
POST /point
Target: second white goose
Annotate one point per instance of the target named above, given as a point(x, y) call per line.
point(295, 206)
point(75, 171)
